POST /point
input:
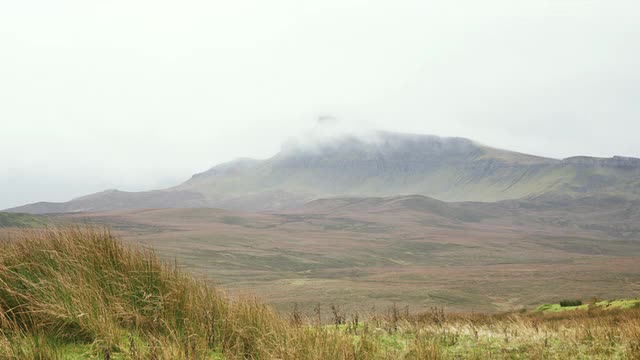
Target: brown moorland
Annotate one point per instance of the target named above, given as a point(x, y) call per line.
point(359, 253)
point(75, 294)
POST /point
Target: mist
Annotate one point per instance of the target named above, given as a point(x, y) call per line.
point(137, 95)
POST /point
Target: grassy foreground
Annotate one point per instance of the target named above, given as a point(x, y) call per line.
point(82, 293)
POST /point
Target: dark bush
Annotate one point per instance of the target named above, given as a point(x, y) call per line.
point(565, 303)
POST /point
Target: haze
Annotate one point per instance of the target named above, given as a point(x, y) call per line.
point(141, 94)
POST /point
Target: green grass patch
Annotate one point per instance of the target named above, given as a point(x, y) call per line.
point(22, 220)
point(604, 304)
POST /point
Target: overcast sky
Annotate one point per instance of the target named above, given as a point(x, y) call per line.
point(136, 95)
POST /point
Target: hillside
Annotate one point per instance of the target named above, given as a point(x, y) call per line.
point(387, 164)
point(8, 220)
point(414, 249)
point(115, 199)
point(364, 252)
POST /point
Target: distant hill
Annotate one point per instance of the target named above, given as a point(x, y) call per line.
point(8, 220)
point(116, 200)
point(387, 164)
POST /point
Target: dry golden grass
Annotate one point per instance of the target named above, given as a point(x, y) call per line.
point(81, 293)
point(84, 289)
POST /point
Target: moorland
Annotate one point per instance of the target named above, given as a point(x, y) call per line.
point(78, 293)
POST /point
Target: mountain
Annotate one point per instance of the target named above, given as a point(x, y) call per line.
point(115, 199)
point(380, 165)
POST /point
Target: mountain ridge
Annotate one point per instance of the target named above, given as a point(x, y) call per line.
point(383, 164)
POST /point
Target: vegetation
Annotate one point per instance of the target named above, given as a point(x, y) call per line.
point(84, 293)
point(594, 305)
point(565, 303)
point(22, 220)
point(78, 293)
point(359, 255)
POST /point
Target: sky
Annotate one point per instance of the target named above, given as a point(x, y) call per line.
point(141, 94)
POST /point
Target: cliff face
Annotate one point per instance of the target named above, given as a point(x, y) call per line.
point(385, 164)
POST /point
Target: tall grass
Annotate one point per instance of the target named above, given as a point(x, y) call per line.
point(84, 289)
point(82, 293)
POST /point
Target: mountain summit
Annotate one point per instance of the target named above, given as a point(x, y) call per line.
point(382, 164)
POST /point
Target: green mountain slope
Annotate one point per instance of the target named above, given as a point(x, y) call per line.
point(387, 164)
point(449, 169)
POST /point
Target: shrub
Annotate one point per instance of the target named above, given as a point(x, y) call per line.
point(565, 303)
